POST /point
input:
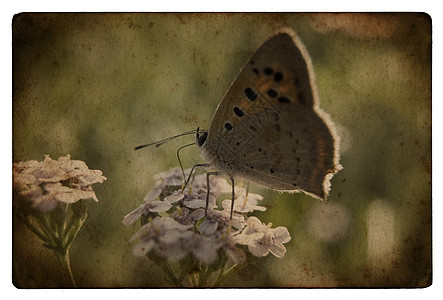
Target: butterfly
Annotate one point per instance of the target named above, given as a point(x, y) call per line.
point(269, 128)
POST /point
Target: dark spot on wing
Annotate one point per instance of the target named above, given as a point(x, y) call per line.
point(278, 77)
point(272, 93)
point(238, 112)
point(228, 126)
point(268, 71)
point(283, 100)
point(250, 94)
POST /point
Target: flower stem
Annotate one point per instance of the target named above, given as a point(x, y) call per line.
point(166, 268)
point(194, 279)
point(225, 274)
point(65, 264)
point(34, 230)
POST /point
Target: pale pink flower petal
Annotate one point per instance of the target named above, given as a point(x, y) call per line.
point(153, 194)
point(49, 182)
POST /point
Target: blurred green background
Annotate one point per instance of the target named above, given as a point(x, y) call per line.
point(97, 85)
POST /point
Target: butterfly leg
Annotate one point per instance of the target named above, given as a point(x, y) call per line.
point(190, 173)
point(233, 195)
point(207, 185)
point(180, 161)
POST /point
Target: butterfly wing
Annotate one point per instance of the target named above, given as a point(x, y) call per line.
point(269, 129)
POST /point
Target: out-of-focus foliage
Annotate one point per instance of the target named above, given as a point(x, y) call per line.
point(96, 85)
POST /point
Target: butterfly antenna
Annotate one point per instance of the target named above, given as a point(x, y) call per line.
point(179, 160)
point(159, 143)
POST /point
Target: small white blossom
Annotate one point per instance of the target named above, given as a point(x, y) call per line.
point(171, 178)
point(229, 242)
point(218, 185)
point(184, 216)
point(217, 218)
point(165, 235)
point(176, 196)
point(195, 201)
point(244, 204)
point(153, 194)
point(262, 239)
point(195, 195)
point(45, 184)
point(210, 235)
point(165, 180)
point(198, 214)
point(204, 248)
point(145, 209)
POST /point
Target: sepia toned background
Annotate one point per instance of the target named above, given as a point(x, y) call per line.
point(96, 85)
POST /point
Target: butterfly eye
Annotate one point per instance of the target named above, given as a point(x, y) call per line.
point(202, 138)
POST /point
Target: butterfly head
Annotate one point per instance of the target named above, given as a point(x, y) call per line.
point(200, 137)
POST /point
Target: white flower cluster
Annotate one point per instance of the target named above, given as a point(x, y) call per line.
point(45, 184)
point(176, 224)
